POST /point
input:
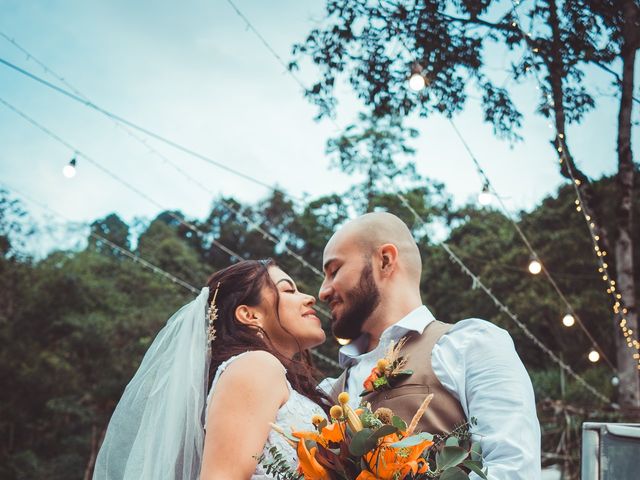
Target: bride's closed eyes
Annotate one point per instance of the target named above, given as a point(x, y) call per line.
point(289, 288)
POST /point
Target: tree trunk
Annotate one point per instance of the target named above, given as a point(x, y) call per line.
point(629, 389)
point(96, 443)
point(627, 365)
point(568, 168)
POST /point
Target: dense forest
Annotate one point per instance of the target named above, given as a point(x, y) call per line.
point(75, 324)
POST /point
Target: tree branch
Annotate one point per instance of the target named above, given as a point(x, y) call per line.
point(475, 21)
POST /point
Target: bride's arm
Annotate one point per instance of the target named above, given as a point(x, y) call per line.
point(245, 400)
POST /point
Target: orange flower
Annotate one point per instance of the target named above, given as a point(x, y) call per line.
point(366, 475)
point(373, 376)
point(334, 432)
point(306, 435)
point(309, 466)
point(386, 461)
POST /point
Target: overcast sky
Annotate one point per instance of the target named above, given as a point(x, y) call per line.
point(193, 72)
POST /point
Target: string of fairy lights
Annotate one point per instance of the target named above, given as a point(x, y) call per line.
point(417, 81)
point(617, 307)
point(137, 259)
point(69, 170)
point(477, 283)
point(235, 255)
point(535, 265)
point(71, 167)
point(191, 226)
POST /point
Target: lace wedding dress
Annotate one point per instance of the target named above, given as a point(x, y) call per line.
point(295, 414)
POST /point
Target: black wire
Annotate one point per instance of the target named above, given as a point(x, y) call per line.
point(135, 126)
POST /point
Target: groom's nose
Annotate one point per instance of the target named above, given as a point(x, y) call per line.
point(325, 291)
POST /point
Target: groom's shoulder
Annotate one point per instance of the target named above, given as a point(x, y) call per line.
point(478, 328)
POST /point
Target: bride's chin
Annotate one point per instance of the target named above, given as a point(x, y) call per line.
point(316, 340)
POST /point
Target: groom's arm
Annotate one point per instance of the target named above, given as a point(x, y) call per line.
point(478, 363)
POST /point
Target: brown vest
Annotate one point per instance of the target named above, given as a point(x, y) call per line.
point(444, 412)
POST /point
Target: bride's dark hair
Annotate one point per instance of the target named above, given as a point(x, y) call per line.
point(243, 284)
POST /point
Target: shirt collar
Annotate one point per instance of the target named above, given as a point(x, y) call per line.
point(416, 321)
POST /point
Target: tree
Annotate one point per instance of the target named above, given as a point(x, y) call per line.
point(378, 44)
point(113, 229)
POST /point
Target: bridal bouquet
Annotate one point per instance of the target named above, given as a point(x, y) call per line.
point(364, 445)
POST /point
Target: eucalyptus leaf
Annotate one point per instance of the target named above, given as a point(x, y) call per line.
point(476, 452)
point(399, 423)
point(362, 442)
point(399, 376)
point(413, 440)
point(450, 457)
point(384, 431)
point(475, 467)
point(454, 473)
point(452, 442)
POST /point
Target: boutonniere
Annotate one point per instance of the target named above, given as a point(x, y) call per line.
point(388, 371)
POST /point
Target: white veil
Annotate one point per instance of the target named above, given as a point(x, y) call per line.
point(156, 431)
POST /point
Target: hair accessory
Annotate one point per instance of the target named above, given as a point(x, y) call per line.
point(212, 316)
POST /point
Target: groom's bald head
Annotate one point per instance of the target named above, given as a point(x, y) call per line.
point(369, 263)
point(373, 230)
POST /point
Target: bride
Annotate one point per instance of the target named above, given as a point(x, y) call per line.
point(224, 368)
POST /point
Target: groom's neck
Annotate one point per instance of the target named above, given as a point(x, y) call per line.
point(389, 312)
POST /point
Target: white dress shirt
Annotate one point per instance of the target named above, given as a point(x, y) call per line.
point(477, 363)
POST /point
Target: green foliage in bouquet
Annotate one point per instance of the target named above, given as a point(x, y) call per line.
point(366, 445)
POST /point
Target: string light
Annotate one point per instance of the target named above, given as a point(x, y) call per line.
point(417, 81)
point(532, 262)
point(601, 253)
point(153, 268)
point(581, 208)
point(485, 197)
point(594, 356)
point(69, 169)
point(503, 308)
point(535, 267)
point(568, 320)
point(483, 175)
point(343, 341)
point(615, 381)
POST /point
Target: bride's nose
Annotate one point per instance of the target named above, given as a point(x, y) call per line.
point(310, 300)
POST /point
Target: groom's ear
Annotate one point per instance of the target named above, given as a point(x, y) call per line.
point(388, 258)
point(247, 315)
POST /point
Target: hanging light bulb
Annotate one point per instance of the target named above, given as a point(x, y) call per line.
point(417, 81)
point(615, 381)
point(594, 356)
point(343, 341)
point(568, 320)
point(69, 169)
point(485, 197)
point(535, 267)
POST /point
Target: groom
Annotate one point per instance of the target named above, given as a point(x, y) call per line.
point(372, 272)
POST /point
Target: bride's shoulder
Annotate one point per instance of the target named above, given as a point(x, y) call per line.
point(261, 367)
point(266, 362)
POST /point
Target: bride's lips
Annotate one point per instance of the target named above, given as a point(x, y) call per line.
point(311, 313)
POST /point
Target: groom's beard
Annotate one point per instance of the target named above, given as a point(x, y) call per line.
point(359, 304)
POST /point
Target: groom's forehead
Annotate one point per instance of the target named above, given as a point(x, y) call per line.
point(337, 244)
point(339, 248)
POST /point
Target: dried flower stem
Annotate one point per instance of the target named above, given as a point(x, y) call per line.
point(281, 431)
point(419, 414)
